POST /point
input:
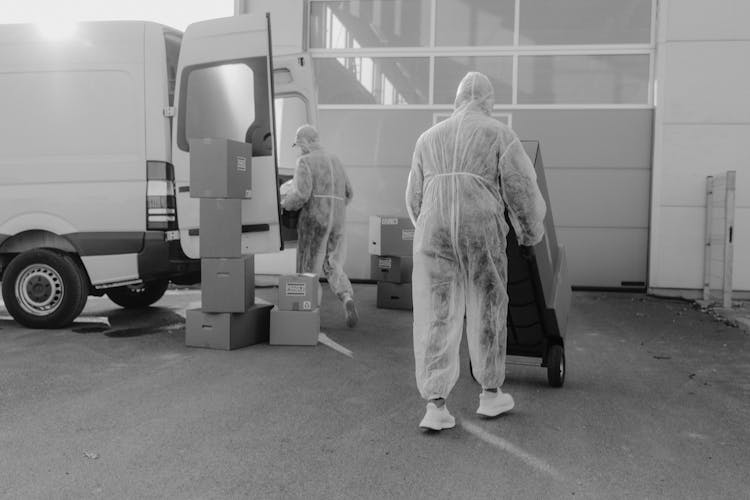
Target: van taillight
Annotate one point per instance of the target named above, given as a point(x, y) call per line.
point(161, 203)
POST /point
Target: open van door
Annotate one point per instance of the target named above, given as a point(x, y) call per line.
point(224, 91)
point(296, 103)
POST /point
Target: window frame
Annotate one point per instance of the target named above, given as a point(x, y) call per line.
point(182, 140)
point(516, 50)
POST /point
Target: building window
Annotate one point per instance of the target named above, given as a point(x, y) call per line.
point(373, 80)
point(536, 53)
point(369, 23)
point(450, 70)
point(578, 22)
point(476, 23)
point(594, 79)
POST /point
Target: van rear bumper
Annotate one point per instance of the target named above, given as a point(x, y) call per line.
point(159, 259)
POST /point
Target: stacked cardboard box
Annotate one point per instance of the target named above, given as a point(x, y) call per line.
point(296, 320)
point(229, 318)
point(390, 248)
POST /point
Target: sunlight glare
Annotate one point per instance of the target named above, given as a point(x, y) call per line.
point(56, 30)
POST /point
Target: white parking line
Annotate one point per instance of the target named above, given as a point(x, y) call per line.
point(185, 291)
point(514, 450)
point(92, 319)
point(325, 340)
point(196, 304)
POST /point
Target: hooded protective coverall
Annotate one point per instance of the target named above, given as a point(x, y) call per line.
point(464, 172)
point(321, 191)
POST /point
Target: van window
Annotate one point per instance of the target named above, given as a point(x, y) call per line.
point(291, 113)
point(226, 101)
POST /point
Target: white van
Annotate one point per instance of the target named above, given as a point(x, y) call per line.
point(94, 160)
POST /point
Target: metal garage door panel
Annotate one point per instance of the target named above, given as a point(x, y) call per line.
point(605, 257)
point(600, 197)
point(589, 138)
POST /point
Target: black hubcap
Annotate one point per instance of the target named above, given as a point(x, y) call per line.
point(38, 289)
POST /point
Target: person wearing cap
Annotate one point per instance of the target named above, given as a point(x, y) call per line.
point(321, 191)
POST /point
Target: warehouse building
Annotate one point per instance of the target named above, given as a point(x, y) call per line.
point(634, 104)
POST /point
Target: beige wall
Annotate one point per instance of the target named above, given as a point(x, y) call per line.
point(702, 127)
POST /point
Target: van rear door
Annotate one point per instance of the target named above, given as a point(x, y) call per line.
point(224, 91)
point(295, 99)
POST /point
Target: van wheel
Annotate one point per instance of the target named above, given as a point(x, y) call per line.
point(44, 289)
point(138, 296)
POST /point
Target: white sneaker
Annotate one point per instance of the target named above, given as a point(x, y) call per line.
point(351, 313)
point(437, 419)
point(492, 404)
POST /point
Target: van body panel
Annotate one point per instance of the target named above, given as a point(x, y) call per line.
point(106, 269)
point(223, 84)
point(106, 242)
point(73, 137)
point(34, 239)
point(42, 221)
point(61, 178)
point(78, 205)
point(156, 93)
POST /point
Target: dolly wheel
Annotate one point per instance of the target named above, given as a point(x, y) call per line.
point(556, 365)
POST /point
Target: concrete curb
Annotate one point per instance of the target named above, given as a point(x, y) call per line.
point(738, 316)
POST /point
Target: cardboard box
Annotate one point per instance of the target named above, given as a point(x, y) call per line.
point(394, 295)
point(299, 292)
point(391, 268)
point(294, 327)
point(228, 330)
point(220, 168)
point(220, 228)
point(227, 285)
point(391, 236)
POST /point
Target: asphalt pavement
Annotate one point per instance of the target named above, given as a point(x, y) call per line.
point(656, 404)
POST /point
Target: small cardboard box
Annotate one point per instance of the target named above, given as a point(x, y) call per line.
point(228, 330)
point(299, 292)
point(220, 228)
point(294, 327)
point(394, 295)
point(220, 168)
point(227, 285)
point(395, 269)
point(390, 236)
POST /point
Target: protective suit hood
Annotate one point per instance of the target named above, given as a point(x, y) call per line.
point(475, 92)
point(307, 139)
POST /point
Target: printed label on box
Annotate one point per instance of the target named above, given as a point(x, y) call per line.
point(307, 305)
point(389, 221)
point(241, 164)
point(407, 234)
point(295, 289)
point(385, 263)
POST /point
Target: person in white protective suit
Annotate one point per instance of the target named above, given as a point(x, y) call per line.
point(321, 190)
point(465, 171)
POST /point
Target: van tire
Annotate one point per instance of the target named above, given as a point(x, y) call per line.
point(138, 296)
point(44, 289)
